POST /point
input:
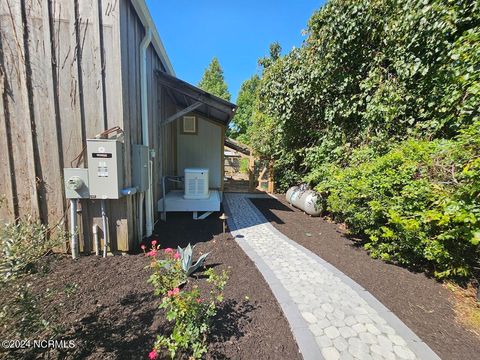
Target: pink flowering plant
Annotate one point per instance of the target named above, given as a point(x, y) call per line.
point(191, 315)
point(167, 272)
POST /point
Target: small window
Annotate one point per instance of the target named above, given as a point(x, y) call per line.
point(189, 125)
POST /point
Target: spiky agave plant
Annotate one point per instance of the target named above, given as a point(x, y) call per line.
point(186, 256)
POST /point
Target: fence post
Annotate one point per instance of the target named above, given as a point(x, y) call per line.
point(271, 183)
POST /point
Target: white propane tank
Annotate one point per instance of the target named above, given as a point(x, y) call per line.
point(310, 200)
point(288, 195)
point(303, 199)
point(296, 195)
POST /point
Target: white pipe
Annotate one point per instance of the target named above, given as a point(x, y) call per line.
point(73, 228)
point(149, 204)
point(105, 228)
point(140, 215)
point(96, 242)
point(145, 130)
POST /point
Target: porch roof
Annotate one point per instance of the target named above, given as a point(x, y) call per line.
point(193, 99)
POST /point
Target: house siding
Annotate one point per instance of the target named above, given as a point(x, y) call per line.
point(202, 150)
point(70, 69)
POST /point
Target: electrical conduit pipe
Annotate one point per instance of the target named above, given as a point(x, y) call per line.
point(73, 228)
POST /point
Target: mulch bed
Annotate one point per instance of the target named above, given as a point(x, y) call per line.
point(420, 302)
point(109, 309)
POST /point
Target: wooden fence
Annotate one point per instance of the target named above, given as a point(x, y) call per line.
point(60, 83)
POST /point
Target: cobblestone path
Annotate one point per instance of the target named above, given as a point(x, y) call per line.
point(331, 316)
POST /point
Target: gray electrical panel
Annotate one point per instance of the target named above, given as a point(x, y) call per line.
point(105, 168)
point(76, 183)
point(140, 167)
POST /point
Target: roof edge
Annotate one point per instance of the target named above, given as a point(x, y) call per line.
point(198, 94)
point(144, 14)
point(197, 89)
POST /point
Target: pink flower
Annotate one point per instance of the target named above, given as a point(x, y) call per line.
point(176, 256)
point(173, 292)
point(199, 301)
point(142, 247)
point(154, 242)
point(152, 355)
point(168, 251)
point(152, 253)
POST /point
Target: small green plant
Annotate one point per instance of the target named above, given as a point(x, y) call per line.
point(192, 315)
point(244, 162)
point(186, 256)
point(20, 314)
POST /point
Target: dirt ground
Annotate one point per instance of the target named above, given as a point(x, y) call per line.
point(420, 302)
point(109, 310)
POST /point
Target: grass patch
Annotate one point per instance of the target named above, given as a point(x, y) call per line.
point(467, 309)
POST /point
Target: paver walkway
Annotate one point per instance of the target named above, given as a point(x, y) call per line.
point(331, 316)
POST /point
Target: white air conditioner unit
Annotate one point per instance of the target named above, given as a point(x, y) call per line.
point(196, 183)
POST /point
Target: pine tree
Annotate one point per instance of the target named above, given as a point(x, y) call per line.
point(214, 82)
point(246, 103)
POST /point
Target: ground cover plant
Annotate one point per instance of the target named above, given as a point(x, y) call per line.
point(379, 111)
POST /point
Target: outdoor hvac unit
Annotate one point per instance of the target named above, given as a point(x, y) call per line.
point(196, 183)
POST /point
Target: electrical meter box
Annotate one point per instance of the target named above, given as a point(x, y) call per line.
point(140, 167)
point(105, 168)
point(76, 183)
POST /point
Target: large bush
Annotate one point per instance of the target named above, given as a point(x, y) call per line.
point(416, 205)
point(380, 110)
point(371, 72)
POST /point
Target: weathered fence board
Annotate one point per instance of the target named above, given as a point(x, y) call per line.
point(17, 108)
point(66, 67)
point(69, 69)
point(6, 191)
point(46, 145)
point(91, 66)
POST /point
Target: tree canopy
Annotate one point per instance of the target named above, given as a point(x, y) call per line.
point(213, 81)
point(246, 102)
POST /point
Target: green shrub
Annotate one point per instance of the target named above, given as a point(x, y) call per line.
point(22, 245)
point(416, 205)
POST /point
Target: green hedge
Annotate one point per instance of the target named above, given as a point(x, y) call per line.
point(418, 205)
point(379, 109)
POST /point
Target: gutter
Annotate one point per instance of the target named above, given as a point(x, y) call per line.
point(151, 37)
point(149, 217)
point(147, 21)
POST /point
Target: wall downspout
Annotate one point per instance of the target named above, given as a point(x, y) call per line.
point(145, 130)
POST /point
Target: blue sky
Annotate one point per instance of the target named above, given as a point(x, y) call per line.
point(237, 32)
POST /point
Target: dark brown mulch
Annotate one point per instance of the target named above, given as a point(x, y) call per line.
point(420, 302)
point(108, 308)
